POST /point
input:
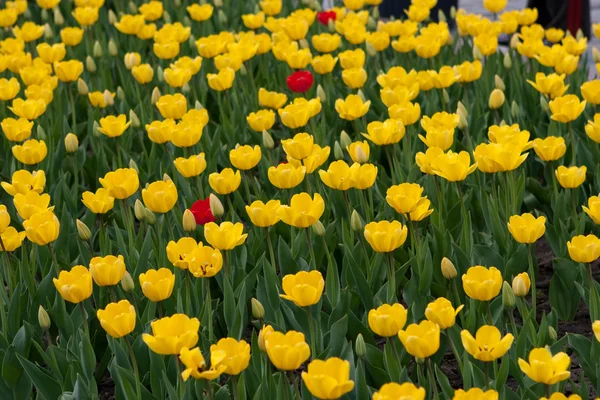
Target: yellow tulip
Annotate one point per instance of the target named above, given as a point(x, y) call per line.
point(171, 334)
point(326, 42)
point(271, 99)
point(192, 166)
point(194, 362)
point(421, 340)
point(353, 107)
point(340, 175)
point(142, 73)
point(157, 284)
point(304, 288)
point(204, 261)
point(160, 196)
point(475, 394)
point(354, 78)
point(225, 236)
point(29, 109)
point(390, 131)
point(481, 283)
point(426, 160)
point(593, 209)
point(323, 64)
point(584, 249)
point(521, 284)
point(286, 175)
point(75, 285)
point(113, 126)
point(233, 355)
point(497, 157)
point(16, 130)
point(245, 157)
point(225, 182)
point(526, 228)
point(592, 128)
point(387, 320)
point(107, 271)
point(262, 120)
point(11, 239)
point(178, 252)
point(42, 228)
point(287, 351)
point(394, 391)
point(295, 115)
point(32, 151)
point(172, 106)
point(329, 379)
point(543, 367)
point(571, 177)
point(117, 319)
point(71, 36)
point(186, 133)
point(299, 147)
point(405, 197)
point(23, 181)
point(68, 71)
point(121, 183)
point(31, 203)
point(385, 236)
point(408, 113)
point(221, 81)
point(550, 148)
point(442, 312)
point(303, 210)
point(488, 343)
point(566, 108)
point(200, 12)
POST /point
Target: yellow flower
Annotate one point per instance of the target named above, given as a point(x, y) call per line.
point(299, 147)
point(521, 284)
point(75, 285)
point(560, 396)
point(469, 71)
point(566, 65)
point(286, 175)
point(425, 160)
point(117, 319)
point(200, 12)
point(23, 181)
point(121, 183)
point(287, 351)
point(359, 151)
point(261, 120)
point(101, 99)
point(29, 31)
point(593, 209)
point(329, 379)
point(364, 176)
point(11, 239)
point(8, 17)
point(352, 59)
point(591, 91)
point(405, 197)
point(298, 59)
point(264, 333)
point(496, 99)
point(142, 73)
point(178, 252)
point(160, 196)
point(566, 108)
point(378, 40)
point(303, 210)
point(526, 228)
point(421, 340)
point(584, 249)
point(186, 133)
point(194, 362)
point(231, 354)
point(166, 50)
point(107, 271)
point(68, 71)
point(303, 288)
point(550, 148)
point(31, 203)
point(498, 157)
point(324, 64)
point(221, 81)
point(395, 391)
point(190, 167)
point(385, 236)
point(16, 130)
point(32, 151)
point(592, 128)
point(416, 13)
point(545, 368)
point(171, 334)
point(574, 46)
point(296, 28)
point(157, 284)
point(339, 175)
point(391, 131)
point(408, 113)
point(552, 85)
point(226, 236)
point(71, 36)
point(316, 158)
point(422, 211)
point(204, 261)
point(47, 4)
point(399, 94)
point(353, 107)
point(114, 126)
point(271, 7)
point(326, 42)
point(29, 109)
point(177, 77)
point(475, 394)
point(387, 320)
point(130, 24)
point(152, 10)
point(225, 182)
point(442, 313)
point(488, 343)
point(295, 115)
point(245, 157)
point(596, 329)
point(9, 88)
point(571, 177)
point(354, 78)
point(263, 215)
point(172, 106)
point(487, 44)
point(271, 99)
point(481, 283)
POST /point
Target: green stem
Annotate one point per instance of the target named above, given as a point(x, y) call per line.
point(136, 372)
point(311, 332)
point(209, 308)
point(391, 279)
point(310, 248)
point(489, 312)
point(180, 381)
point(453, 348)
point(434, 389)
point(532, 276)
point(73, 113)
point(84, 319)
point(54, 260)
point(9, 267)
point(487, 375)
point(188, 292)
point(271, 252)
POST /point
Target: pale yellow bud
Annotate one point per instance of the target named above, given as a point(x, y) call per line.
point(496, 99)
point(112, 17)
point(552, 333)
point(361, 95)
point(448, 269)
point(108, 99)
point(130, 60)
point(304, 44)
point(321, 93)
point(127, 283)
point(519, 286)
point(318, 228)
point(331, 25)
point(82, 230)
point(216, 207)
point(222, 17)
point(40, 132)
point(97, 50)
point(477, 55)
point(514, 41)
point(90, 64)
point(371, 50)
point(579, 35)
point(120, 93)
point(189, 221)
point(596, 54)
point(43, 319)
point(371, 24)
point(544, 104)
point(166, 178)
point(138, 210)
point(507, 61)
point(133, 165)
point(453, 12)
point(268, 142)
point(150, 217)
point(185, 88)
point(198, 105)
point(258, 311)
point(243, 70)
point(445, 96)
point(499, 83)
point(82, 87)
point(135, 121)
point(132, 7)
point(71, 143)
point(218, 3)
point(442, 16)
point(48, 33)
point(345, 140)
point(356, 221)
point(160, 74)
point(514, 110)
point(167, 17)
point(359, 155)
point(58, 17)
point(155, 96)
point(337, 151)
point(508, 296)
point(95, 130)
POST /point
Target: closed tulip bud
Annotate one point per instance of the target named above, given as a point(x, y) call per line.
point(544, 104)
point(507, 61)
point(331, 25)
point(579, 34)
point(222, 17)
point(376, 13)
point(82, 230)
point(337, 151)
point(596, 54)
point(133, 165)
point(48, 33)
point(95, 129)
point(188, 22)
point(90, 64)
point(461, 109)
point(268, 142)
point(441, 16)
point(258, 311)
point(499, 83)
point(135, 121)
point(198, 105)
point(508, 296)
point(43, 318)
point(371, 50)
point(515, 110)
point(216, 207)
point(371, 24)
point(127, 283)
point(189, 221)
point(150, 217)
point(97, 50)
point(58, 17)
point(167, 17)
point(360, 348)
point(345, 140)
point(132, 7)
point(321, 93)
point(120, 93)
point(356, 222)
point(243, 71)
point(477, 55)
point(318, 228)
point(82, 87)
point(71, 143)
point(448, 269)
point(303, 44)
point(40, 133)
point(445, 96)
point(552, 333)
point(361, 95)
point(453, 12)
point(521, 284)
point(108, 98)
point(496, 99)
point(514, 41)
point(218, 3)
point(112, 17)
point(138, 210)
point(462, 122)
point(166, 178)
point(155, 96)
point(185, 88)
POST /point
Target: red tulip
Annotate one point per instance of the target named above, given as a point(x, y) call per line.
point(300, 81)
point(325, 16)
point(201, 211)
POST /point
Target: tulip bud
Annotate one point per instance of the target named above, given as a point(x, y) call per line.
point(218, 3)
point(189, 221)
point(216, 207)
point(127, 283)
point(507, 60)
point(186, 21)
point(132, 7)
point(360, 348)
point(268, 142)
point(596, 54)
point(499, 83)
point(453, 12)
point(544, 104)
point(177, 3)
point(303, 44)
point(198, 105)
point(442, 16)
point(360, 156)
point(519, 287)
point(514, 41)
point(579, 34)
point(345, 140)
point(82, 87)
point(97, 50)
point(331, 25)
point(496, 99)
point(356, 222)
point(160, 74)
point(108, 98)
point(95, 130)
point(155, 96)
point(321, 93)
point(552, 333)
point(448, 269)
point(361, 95)
point(150, 217)
point(222, 17)
point(477, 53)
point(43, 319)
point(135, 121)
point(258, 311)
point(48, 34)
point(58, 17)
point(166, 178)
point(502, 123)
point(371, 50)
point(138, 210)
point(243, 70)
point(514, 110)
point(371, 24)
point(120, 93)
point(90, 64)
point(185, 88)
point(445, 96)
point(40, 133)
point(337, 151)
point(375, 14)
point(462, 122)
point(82, 230)
point(133, 165)
point(112, 17)
point(71, 143)
point(167, 17)
point(508, 296)
point(318, 228)
point(44, 15)
point(461, 109)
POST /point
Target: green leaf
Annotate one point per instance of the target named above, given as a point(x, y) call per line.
point(44, 383)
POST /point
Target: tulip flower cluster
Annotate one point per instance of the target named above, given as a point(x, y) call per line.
point(258, 200)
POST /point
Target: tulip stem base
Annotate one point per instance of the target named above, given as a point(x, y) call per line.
point(532, 275)
point(434, 388)
point(271, 252)
point(391, 290)
point(311, 250)
point(136, 371)
point(311, 332)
